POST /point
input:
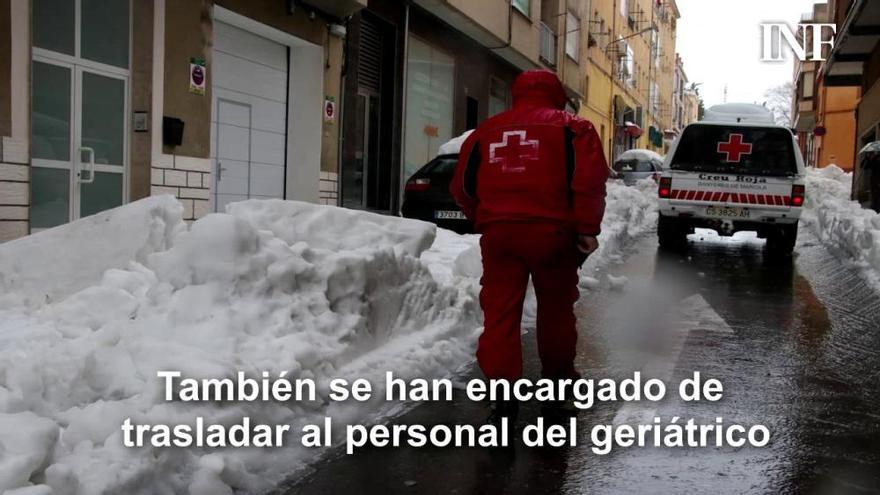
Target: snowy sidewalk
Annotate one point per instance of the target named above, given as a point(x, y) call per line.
point(90, 311)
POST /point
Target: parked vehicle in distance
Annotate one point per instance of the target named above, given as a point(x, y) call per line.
point(634, 165)
point(426, 196)
point(866, 179)
point(734, 171)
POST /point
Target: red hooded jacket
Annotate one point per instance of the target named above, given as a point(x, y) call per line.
point(534, 162)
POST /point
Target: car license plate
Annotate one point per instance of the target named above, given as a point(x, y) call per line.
point(449, 215)
point(727, 212)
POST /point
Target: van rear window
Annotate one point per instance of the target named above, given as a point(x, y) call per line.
point(735, 150)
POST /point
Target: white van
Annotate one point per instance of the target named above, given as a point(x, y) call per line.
point(735, 170)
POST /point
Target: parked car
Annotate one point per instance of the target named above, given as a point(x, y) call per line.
point(634, 165)
point(426, 196)
point(866, 180)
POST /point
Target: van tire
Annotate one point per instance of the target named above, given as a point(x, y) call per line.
point(781, 241)
point(671, 233)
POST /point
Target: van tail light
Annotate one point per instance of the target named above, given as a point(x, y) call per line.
point(797, 195)
point(418, 185)
point(665, 190)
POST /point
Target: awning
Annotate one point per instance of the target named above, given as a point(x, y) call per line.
point(632, 129)
point(854, 45)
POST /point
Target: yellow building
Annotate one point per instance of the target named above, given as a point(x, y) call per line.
point(824, 115)
point(630, 73)
point(691, 107)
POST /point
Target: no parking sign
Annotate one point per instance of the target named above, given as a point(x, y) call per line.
point(329, 109)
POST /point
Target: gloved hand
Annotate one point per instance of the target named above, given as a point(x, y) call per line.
point(587, 244)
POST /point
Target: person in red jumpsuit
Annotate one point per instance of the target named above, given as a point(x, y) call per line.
point(532, 179)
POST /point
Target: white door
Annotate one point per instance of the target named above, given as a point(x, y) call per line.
point(79, 83)
point(249, 117)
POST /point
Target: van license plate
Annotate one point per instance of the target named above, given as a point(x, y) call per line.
point(727, 212)
point(449, 215)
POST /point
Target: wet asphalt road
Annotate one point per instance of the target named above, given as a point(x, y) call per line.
point(802, 359)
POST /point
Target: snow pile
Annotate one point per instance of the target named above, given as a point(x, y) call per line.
point(630, 211)
point(319, 292)
point(842, 225)
point(33, 275)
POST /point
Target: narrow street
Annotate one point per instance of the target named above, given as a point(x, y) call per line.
point(798, 360)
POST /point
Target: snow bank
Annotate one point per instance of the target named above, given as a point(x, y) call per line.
point(330, 227)
point(272, 286)
point(842, 225)
point(319, 292)
point(630, 212)
point(55, 263)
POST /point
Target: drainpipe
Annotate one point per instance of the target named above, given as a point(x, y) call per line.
point(340, 139)
point(405, 68)
point(611, 112)
point(509, 29)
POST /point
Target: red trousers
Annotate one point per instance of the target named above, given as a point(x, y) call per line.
point(511, 253)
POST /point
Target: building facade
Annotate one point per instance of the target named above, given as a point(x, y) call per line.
point(679, 86)
point(419, 73)
point(855, 61)
point(823, 116)
point(212, 101)
point(631, 73)
point(103, 102)
point(690, 106)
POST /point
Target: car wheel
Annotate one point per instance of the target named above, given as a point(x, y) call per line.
point(672, 233)
point(782, 240)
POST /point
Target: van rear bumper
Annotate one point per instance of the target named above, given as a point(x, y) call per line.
point(762, 220)
point(758, 214)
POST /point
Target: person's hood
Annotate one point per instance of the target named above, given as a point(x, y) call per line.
point(539, 88)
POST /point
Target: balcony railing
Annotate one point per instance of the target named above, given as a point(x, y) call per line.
point(547, 44)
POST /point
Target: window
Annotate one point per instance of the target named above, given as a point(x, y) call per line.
point(547, 44)
point(627, 64)
point(808, 84)
point(429, 110)
point(655, 98)
point(772, 152)
point(522, 6)
point(572, 36)
point(498, 96)
point(656, 45)
point(633, 165)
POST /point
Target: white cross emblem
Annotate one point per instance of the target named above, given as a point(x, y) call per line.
point(513, 151)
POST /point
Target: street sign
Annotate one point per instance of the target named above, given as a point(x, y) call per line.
point(329, 109)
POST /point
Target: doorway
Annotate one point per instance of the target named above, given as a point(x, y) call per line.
point(249, 116)
point(79, 87)
point(367, 176)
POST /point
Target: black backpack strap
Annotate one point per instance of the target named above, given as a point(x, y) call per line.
point(470, 171)
point(569, 160)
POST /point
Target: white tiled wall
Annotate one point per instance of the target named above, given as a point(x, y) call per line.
point(329, 188)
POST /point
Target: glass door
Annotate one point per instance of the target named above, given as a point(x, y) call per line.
point(52, 144)
point(80, 74)
point(100, 142)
